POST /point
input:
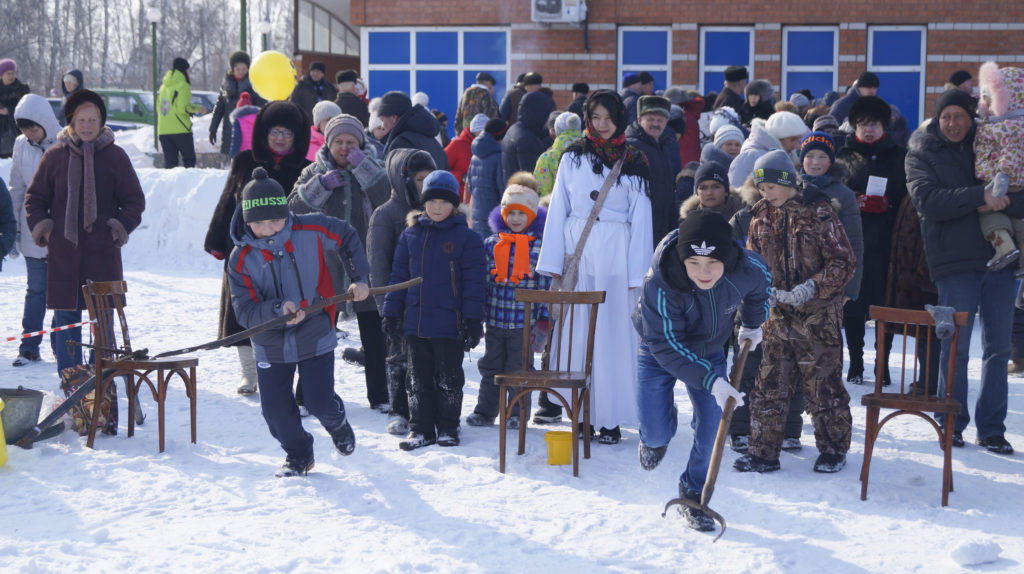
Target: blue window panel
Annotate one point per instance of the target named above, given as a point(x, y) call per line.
point(807, 48)
point(903, 90)
point(713, 82)
point(641, 48)
point(389, 48)
point(437, 48)
point(383, 81)
point(817, 82)
point(484, 48)
point(660, 78)
point(896, 48)
point(500, 81)
point(442, 86)
point(727, 49)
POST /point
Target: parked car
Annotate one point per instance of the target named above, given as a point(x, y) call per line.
point(207, 100)
point(135, 106)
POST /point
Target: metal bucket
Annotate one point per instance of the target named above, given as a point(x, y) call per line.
point(21, 412)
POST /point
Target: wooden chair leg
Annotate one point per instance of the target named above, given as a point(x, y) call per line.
point(585, 399)
point(574, 415)
point(192, 400)
point(502, 416)
point(160, 397)
point(98, 391)
point(522, 423)
point(947, 464)
point(869, 445)
point(133, 398)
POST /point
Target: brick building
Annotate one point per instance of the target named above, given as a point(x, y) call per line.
point(437, 46)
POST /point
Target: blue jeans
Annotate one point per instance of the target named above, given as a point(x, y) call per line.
point(992, 293)
point(658, 414)
point(35, 305)
point(67, 358)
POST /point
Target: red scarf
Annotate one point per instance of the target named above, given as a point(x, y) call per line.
point(521, 262)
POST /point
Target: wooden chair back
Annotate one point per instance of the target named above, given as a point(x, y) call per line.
point(564, 308)
point(104, 301)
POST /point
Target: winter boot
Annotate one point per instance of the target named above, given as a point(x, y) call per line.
point(548, 413)
point(830, 462)
point(695, 518)
point(512, 423)
point(414, 441)
point(354, 356)
point(791, 444)
point(294, 467)
point(855, 376)
point(1006, 251)
point(996, 444)
point(740, 443)
point(26, 357)
point(248, 362)
point(609, 436)
point(754, 463)
point(479, 420)
point(651, 456)
point(448, 438)
point(344, 438)
point(1016, 367)
point(958, 439)
point(397, 425)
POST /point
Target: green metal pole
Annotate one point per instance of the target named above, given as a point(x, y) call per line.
point(156, 112)
point(244, 11)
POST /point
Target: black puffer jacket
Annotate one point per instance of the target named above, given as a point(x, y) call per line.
point(940, 176)
point(527, 138)
point(308, 93)
point(663, 169)
point(353, 105)
point(230, 90)
point(417, 129)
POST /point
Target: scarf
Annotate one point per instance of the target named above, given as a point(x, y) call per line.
point(608, 151)
point(279, 156)
point(521, 262)
point(81, 186)
point(821, 181)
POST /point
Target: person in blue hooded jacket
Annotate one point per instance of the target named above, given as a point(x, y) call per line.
point(277, 268)
point(699, 279)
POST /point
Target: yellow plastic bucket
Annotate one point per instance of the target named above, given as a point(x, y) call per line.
point(559, 447)
point(3, 439)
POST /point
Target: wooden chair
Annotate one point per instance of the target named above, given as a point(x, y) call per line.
point(105, 300)
point(563, 307)
point(910, 398)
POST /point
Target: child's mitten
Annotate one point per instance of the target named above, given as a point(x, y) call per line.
point(943, 320)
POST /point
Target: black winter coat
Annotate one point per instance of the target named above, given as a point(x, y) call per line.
point(576, 106)
point(9, 98)
point(509, 109)
point(527, 138)
point(417, 129)
point(353, 105)
point(664, 164)
point(308, 93)
point(940, 176)
point(230, 90)
point(729, 98)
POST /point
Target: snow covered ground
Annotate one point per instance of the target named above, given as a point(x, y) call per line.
point(215, 506)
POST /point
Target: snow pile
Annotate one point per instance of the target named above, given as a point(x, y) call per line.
point(975, 553)
point(138, 143)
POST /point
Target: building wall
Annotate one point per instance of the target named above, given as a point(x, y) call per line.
point(959, 35)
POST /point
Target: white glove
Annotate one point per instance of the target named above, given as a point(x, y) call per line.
point(799, 295)
point(753, 334)
point(722, 391)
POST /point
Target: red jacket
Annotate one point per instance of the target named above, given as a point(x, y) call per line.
point(689, 144)
point(460, 153)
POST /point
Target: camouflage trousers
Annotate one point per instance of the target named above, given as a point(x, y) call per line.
point(806, 351)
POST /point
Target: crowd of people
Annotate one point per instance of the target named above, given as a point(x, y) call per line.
point(723, 218)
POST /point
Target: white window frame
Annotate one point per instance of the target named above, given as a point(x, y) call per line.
point(920, 69)
point(786, 69)
point(460, 67)
point(702, 68)
point(621, 68)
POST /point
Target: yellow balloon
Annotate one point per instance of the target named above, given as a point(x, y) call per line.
point(272, 75)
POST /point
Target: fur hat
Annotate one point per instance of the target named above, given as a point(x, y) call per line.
point(567, 121)
point(1002, 90)
point(238, 57)
point(324, 110)
point(263, 198)
point(440, 184)
point(344, 124)
point(871, 108)
point(785, 125)
point(705, 232)
point(478, 123)
point(394, 103)
point(728, 133)
point(80, 97)
point(736, 73)
point(761, 88)
point(654, 105)
point(821, 141)
point(775, 167)
point(676, 95)
point(346, 76)
point(522, 198)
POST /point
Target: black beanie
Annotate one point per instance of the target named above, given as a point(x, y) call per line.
point(180, 64)
point(318, 66)
point(955, 97)
point(868, 80)
point(263, 198)
point(394, 103)
point(714, 171)
point(238, 57)
point(80, 97)
point(958, 77)
point(706, 232)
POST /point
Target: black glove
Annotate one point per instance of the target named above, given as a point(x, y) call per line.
point(391, 326)
point(213, 138)
point(473, 331)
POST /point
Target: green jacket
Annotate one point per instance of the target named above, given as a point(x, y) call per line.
point(175, 105)
point(547, 163)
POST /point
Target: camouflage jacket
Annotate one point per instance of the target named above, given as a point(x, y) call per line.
point(803, 239)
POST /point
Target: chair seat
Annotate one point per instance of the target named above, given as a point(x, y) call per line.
point(560, 379)
point(911, 403)
point(156, 364)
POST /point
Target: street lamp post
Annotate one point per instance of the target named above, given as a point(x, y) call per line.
point(154, 15)
point(245, 11)
point(265, 31)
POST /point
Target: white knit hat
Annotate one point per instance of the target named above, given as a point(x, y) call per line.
point(723, 116)
point(522, 198)
point(478, 123)
point(421, 99)
point(324, 110)
point(728, 133)
point(567, 121)
point(786, 125)
point(375, 122)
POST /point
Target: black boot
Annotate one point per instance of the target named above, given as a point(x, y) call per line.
point(344, 439)
point(695, 518)
point(830, 462)
point(754, 463)
point(855, 376)
point(651, 456)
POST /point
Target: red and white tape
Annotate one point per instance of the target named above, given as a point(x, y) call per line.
point(53, 330)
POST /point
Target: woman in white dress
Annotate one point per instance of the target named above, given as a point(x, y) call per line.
point(615, 257)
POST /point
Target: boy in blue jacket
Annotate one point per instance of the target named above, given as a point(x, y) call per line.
point(441, 318)
point(277, 268)
point(699, 279)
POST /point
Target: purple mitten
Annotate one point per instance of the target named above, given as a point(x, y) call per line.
point(355, 156)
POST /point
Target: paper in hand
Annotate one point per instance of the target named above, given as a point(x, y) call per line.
point(876, 185)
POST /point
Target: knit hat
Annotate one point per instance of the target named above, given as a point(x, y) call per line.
point(318, 66)
point(871, 108)
point(244, 99)
point(263, 198)
point(346, 76)
point(799, 100)
point(581, 88)
point(482, 77)
point(825, 122)
point(958, 77)
point(736, 73)
point(344, 124)
point(440, 184)
point(478, 123)
point(676, 95)
point(677, 120)
point(7, 64)
point(868, 80)
point(630, 79)
point(567, 121)
point(421, 99)
point(821, 141)
point(180, 64)
point(728, 133)
point(775, 167)
point(323, 111)
point(645, 78)
point(710, 152)
point(712, 171)
point(955, 97)
point(394, 103)
point(654, 105)
point(723, 116)
point(532, 79)
point(80, 97)
point(375, 122)
point(238, 57)
point(706, 232)
point(785, 125)
point(496, 127)
point(522, 198)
